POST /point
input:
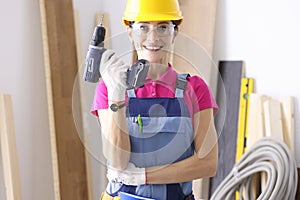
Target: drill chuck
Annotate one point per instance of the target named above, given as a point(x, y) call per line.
point(98, 36)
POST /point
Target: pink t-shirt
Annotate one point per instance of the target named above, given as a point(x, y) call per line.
point(197, 95)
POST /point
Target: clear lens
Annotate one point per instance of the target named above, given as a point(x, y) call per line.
point(161, 29)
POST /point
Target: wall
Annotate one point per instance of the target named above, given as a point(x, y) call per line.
point(264, 34)
point(22, 76)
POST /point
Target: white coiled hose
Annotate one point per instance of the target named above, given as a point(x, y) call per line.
point(270, 155)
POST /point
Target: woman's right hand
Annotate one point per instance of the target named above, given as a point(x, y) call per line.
point(114, 74)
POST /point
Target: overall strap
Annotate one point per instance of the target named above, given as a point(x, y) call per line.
point(131, 93)
point(180, 84)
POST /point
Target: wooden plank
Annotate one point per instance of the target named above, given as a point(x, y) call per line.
point(201, 188)
point(256, 124)
point(256, 131)
point(193, 47)
point(288, 121)
point(68, 157)
point(273, 121)
point(273, 127)
point(9, 149)
point(199, 14)
point(265, 119)
point(55, 170)
point(228, 100)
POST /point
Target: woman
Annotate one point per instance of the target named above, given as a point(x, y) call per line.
point(160, 137)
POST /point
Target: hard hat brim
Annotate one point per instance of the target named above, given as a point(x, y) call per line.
point(148, 18)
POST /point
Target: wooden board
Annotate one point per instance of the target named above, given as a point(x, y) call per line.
point(68, 157)
point(9, 149)
point(193, 46)
point(269, 117)
point(193, 49)
point(228, 99)
point(273, 119)
point(273, 127)
point(256, 131)
point(288, 121)
point(256, 121)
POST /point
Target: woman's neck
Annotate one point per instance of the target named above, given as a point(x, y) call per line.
point(156, 70)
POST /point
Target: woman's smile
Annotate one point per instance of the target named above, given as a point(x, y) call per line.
point(152, 48)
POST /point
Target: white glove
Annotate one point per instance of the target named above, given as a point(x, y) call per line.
point(132, 175)
point(113, 72)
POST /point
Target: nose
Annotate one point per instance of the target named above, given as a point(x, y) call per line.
point(152, 35)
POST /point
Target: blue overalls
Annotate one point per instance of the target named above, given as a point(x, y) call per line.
point(161, 132)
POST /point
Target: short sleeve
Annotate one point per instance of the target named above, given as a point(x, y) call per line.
point(100, 99)
point(201, 95)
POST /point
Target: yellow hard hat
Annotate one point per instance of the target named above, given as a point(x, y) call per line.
point(152, 10)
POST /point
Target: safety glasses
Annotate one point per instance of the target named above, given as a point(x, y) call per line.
point(162, 30)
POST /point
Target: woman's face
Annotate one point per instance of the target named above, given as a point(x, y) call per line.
point(152, 40)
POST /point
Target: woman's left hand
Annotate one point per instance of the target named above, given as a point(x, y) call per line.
point(132, 175)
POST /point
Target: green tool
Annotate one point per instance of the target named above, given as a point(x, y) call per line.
point(140, 122)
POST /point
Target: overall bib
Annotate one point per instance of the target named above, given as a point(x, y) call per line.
point(161, 132)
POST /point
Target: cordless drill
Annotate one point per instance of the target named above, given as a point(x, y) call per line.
point(94, 54)
point(136, 74)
